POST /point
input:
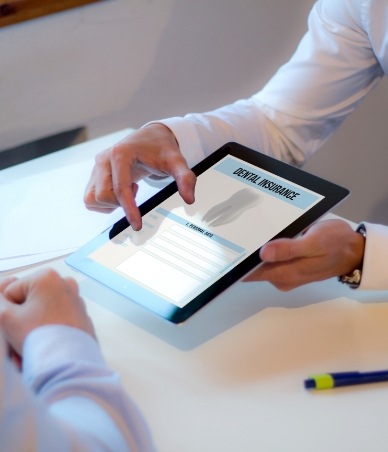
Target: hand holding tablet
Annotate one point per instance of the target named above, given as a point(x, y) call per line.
point(186, 255)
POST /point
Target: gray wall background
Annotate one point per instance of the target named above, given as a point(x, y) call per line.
point(120, 63)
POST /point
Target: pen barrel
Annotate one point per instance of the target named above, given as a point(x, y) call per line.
point(339, 379)
point(360, 378)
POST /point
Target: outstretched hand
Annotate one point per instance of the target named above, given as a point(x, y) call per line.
point(151, 150)
point(327, 249)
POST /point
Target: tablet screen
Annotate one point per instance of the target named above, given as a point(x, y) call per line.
point(183, 251)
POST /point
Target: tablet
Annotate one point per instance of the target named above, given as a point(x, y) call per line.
point(186, 255)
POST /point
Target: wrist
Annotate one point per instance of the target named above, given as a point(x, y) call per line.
point(162, 130)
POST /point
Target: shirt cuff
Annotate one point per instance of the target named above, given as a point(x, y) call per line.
point(187, 137)
point(52, 347)
point(374, 270)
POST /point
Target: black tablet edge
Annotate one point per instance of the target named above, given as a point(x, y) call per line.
point(332, 193)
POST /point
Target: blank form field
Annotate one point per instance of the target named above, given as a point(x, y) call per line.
point(160, 277)
point(176, 262)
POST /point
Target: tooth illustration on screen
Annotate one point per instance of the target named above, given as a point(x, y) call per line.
point(231, 209)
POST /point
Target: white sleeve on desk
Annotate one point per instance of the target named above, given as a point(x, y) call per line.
point(375, 269)
point(84, 399)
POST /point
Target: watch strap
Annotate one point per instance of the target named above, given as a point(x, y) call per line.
point(353, 279)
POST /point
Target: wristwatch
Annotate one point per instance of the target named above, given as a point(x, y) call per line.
point(353, 279)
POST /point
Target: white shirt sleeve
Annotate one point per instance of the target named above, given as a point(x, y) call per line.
point(69, 399)
point(339, 60)
point(375, 268)
point(332, 70)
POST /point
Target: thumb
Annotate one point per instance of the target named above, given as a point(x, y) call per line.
point(12, 325)
point(6, 312)
point(5, 282)
point(282, 250)
point(186, 181)
point(16, 291)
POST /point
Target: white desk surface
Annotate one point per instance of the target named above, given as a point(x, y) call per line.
point(43, 214)
point(231, 377)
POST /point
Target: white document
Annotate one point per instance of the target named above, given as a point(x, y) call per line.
point(42, 211)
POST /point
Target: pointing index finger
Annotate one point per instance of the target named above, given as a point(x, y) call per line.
point(125, 188)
